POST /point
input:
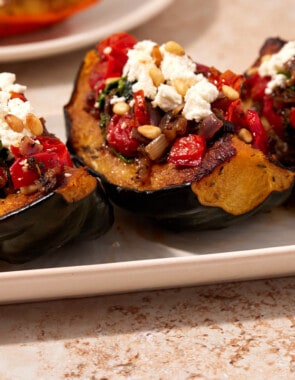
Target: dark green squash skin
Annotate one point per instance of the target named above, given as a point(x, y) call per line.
point(177, 208)
point(50, 222)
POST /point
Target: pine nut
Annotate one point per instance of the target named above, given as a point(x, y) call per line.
point(157, 76)
point(156, 55)
point(14, 122)
point(230, 92)
point(265, 57)
point(181, 85)
point(174, 48)
point(245, 135)
point(120, 108)
point(149, 131)
point(26, 190)
point(34, 124)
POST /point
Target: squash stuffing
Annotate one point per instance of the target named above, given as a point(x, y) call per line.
point(171, 138)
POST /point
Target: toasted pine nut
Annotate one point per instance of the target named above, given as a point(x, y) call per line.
point(265, 57)
point(149, 131)
point(156, 55)
point(29, 189)
point(230, 92)
point(120, 108)
point(14, 122)
point(174, 48)
point(245, 135)
point(252, 70)
point(34, 124)
point(156, 75)
point(181, 85)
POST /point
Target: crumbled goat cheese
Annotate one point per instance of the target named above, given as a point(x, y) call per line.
point(173, 67)
point(117, 99)
point(271, 67)
point(167, 98)
point(13, 106)
point(138, 66)
point(198, 100)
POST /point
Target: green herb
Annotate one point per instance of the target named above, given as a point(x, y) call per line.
point(104, 120)
point(119, 87)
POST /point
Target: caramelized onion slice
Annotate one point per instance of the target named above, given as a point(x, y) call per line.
point(157, 147)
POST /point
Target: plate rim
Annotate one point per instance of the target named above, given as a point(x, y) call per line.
point(43, 284)
point(33, 50)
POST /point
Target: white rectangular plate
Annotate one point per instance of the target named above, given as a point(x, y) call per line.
point(136, 255)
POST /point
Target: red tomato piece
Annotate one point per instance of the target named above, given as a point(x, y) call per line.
point(292, 117)
point(116, 46)
point(28, 168)
point(272, 117)
point(25, 170)
point(113, 56)
point(140, 110)
point(255, 86)
point(119, 135)
point(53, 144)
point(260, 139)
point(188, 151)
point(236, 115)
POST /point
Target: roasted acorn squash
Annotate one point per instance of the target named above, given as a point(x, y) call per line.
point(21, 16)
point(45, 201)
point(31, 225)
point(269, 88)
point(234, 178)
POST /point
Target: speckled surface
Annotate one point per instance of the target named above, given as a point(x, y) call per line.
point(216, 332)
point(228, 331)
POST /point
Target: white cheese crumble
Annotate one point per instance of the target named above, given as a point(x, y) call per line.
point(138, 66)
point(13, 106)
point(173, 67)
point(117, 99)
point(271, 67)
point(176, 66)
point(167, 98)
point(198, 100)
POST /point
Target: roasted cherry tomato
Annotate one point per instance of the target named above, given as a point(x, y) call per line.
point(188, 150)
point(260, 139)
point(119, 135)
point(113, 56)
point(29, 167)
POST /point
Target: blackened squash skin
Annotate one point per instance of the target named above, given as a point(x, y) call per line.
point(78, 209)
point(175, 197)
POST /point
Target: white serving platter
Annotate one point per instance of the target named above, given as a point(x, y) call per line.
point(136, 255)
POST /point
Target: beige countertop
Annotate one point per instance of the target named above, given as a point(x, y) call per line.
point(242, 330)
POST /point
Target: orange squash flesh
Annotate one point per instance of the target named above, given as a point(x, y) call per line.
point(242, 183)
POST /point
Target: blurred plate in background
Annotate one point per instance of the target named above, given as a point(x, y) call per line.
point(84, 29)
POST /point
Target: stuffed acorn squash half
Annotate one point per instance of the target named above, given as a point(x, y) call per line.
point(45, 201)
point(170, 138)
point(269, 89)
